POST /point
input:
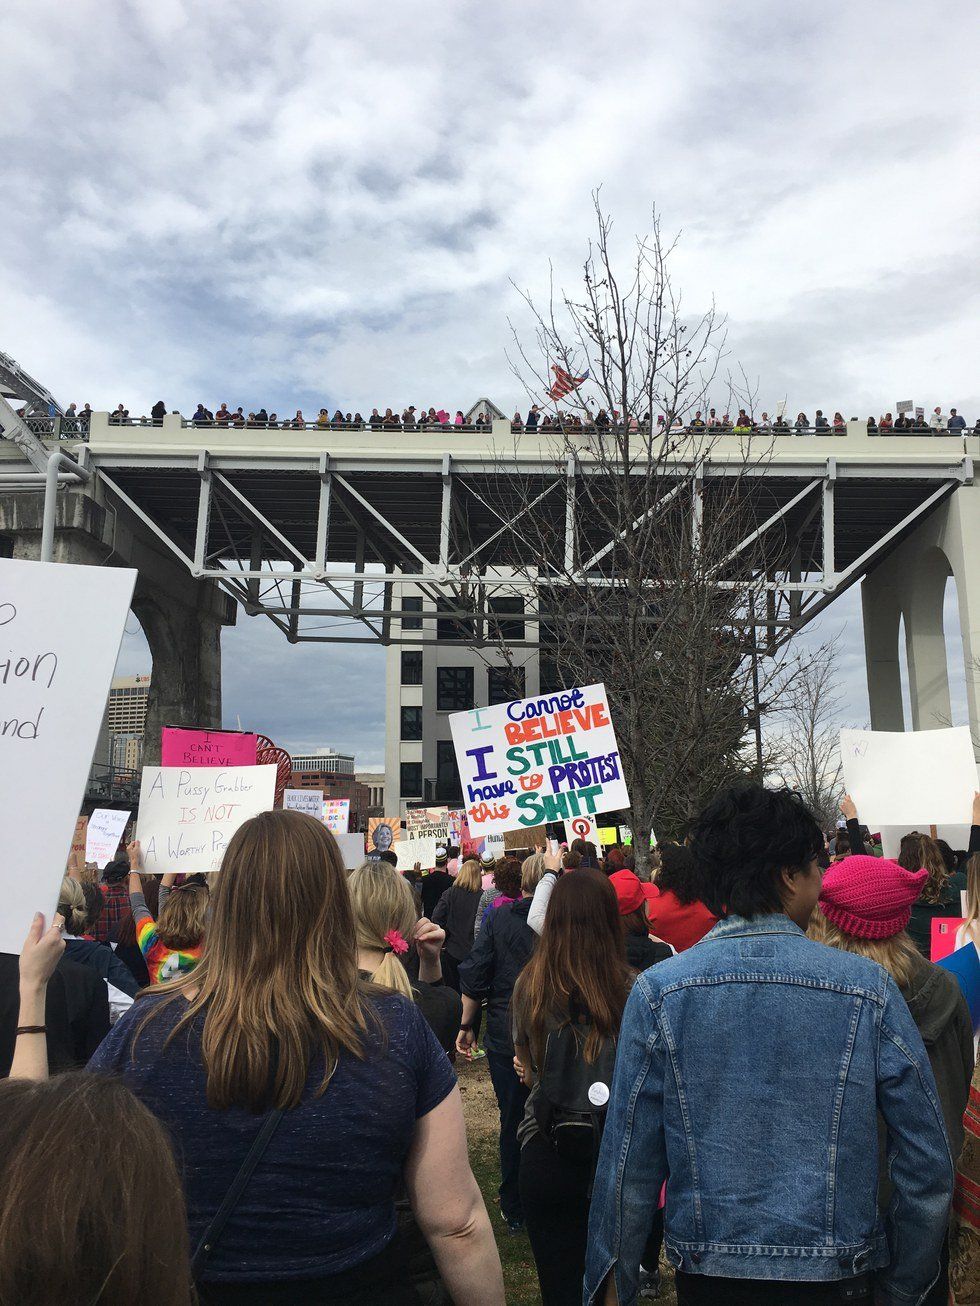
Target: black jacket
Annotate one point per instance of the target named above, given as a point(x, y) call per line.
point(434, 885)
point(105, 963)
point(642, 952)
point(501, 951)
point(456, 913)
point(943, 1019)
point(76, 1013)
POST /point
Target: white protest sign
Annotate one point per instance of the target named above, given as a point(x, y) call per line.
point(904, 405)
point(582, 827)
point(351, 848)
point(102, 835)
point(188, 814)
point(410, 851)
point(538, 759)
point(309, 801)
point(428, 823)
point(60, 627)
point(908, 779)
point(336, 816)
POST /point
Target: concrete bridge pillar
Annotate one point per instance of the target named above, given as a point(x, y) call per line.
point(910, 584)
point(181, 617)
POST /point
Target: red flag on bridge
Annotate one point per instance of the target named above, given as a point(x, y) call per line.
point(565, 383)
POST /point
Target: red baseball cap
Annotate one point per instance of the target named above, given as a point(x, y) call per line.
point(631, 891)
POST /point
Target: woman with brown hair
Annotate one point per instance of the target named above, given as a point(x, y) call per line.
point(940, 894)
point(568, 1004)
point(171, 945)
point(111, 1230)
point(275, 1050)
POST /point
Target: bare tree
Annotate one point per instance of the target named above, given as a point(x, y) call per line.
point(806, 746)
point(653, 577)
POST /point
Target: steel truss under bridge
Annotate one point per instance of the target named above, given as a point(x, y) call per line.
point(318, 541)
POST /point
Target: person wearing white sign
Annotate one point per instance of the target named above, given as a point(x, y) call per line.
point(275, 1034)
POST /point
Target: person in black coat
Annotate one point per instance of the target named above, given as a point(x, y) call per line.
point(455, 912)
point(76, 1014)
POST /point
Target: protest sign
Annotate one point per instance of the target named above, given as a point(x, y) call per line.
point(309, 801)
point(351, 848)
point(920, 412)
point(533, 837)
point(188, 814)
point(336, 816)
point(179, 747)
point(582, 827)
point(105, 828)
point(60, 627)
point(904, 405)
point(382, 832)
point(410, 851)
point(538, 759)
point(78, 840)
point(608, 835)
point(458, 830)
point(428, 823)
point(919, 777)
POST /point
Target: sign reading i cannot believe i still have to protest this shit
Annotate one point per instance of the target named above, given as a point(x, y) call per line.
point(539, 759)
point(60, 627)
point(187, 814)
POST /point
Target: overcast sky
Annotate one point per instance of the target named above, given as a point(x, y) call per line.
point(324, 204)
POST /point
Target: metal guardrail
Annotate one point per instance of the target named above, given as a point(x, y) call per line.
point(67, 428)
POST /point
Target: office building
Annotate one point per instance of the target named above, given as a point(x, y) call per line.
point(448, 673)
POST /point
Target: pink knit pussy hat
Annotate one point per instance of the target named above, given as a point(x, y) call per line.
point(870, 897)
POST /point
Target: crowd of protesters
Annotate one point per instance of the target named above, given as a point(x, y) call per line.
point(601, 421)
point(242, 1088)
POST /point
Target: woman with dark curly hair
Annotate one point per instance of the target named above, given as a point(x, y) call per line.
point(751, 1071)
point(678, 914)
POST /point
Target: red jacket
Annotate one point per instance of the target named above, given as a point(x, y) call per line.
point(681, 924)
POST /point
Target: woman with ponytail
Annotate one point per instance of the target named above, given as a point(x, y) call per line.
point(393, 944)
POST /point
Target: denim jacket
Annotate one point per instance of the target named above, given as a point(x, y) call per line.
point(749, 1074)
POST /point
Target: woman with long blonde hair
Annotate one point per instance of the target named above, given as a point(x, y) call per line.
point(275, 1049)
point(392, 939)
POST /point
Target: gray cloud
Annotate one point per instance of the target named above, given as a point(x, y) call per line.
point(325, 205)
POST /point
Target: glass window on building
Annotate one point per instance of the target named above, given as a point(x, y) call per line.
point(412, 668)
point(448, 787)
point(411, 779)
point(504, 684)
point(412, 604)
point(411, 723)
point(454, 689)
point(549, 680)
point(502, 624)
point(454, 628)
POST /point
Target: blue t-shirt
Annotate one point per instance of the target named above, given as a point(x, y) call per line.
point(322, 1198)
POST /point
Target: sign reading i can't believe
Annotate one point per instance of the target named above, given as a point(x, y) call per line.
point(548, 758)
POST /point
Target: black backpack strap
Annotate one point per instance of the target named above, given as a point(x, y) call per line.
point(233, 1196)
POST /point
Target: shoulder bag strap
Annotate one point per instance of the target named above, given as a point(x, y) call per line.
point(232, 1197)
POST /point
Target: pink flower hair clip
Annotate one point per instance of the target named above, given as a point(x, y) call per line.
point(394, 942)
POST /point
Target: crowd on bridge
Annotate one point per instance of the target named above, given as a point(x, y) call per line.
point(76, 421)
point(243, 1088)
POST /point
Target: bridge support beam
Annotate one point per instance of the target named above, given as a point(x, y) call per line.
point(181, 617)
point(910, 584)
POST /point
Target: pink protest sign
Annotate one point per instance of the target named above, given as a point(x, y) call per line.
point(207, 747)
point(943, 941)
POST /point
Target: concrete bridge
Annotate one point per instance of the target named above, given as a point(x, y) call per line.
point(322, 531)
